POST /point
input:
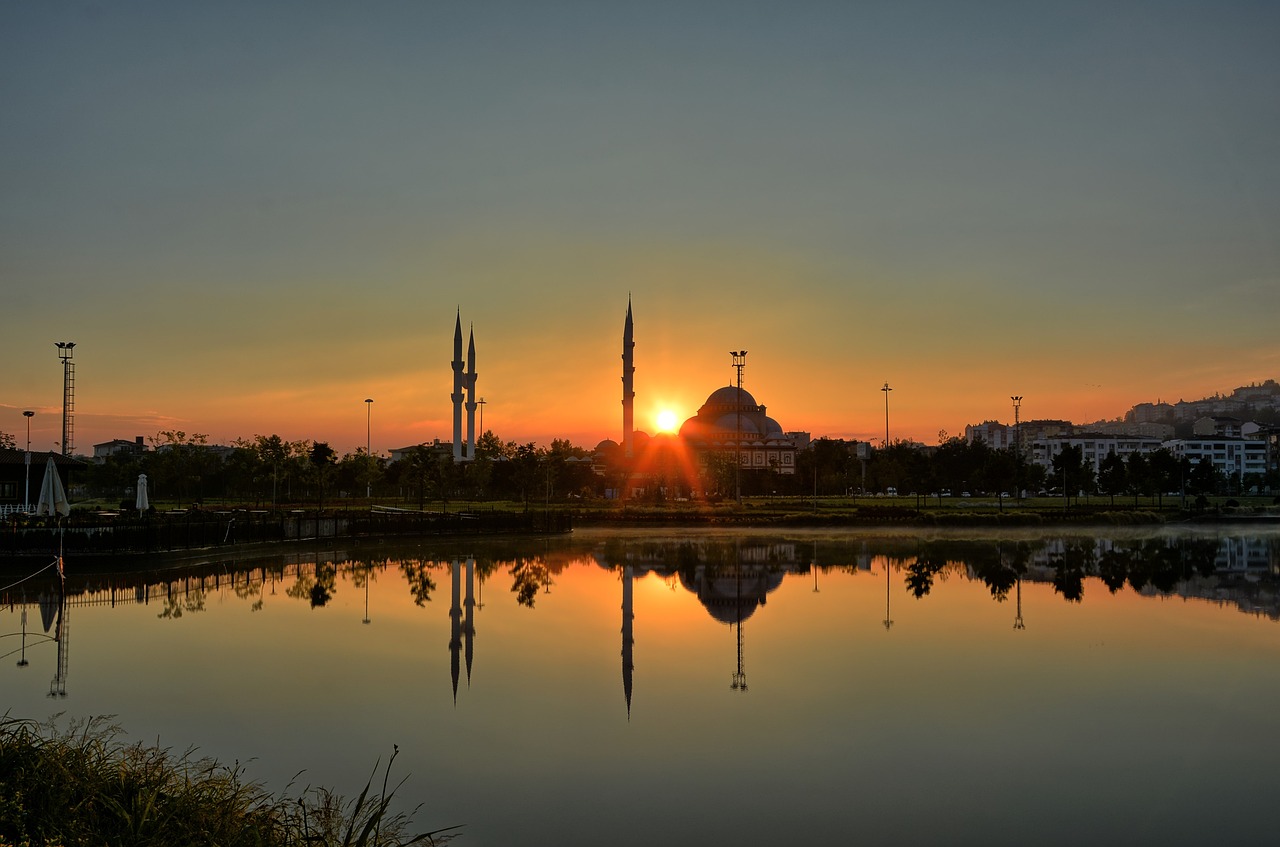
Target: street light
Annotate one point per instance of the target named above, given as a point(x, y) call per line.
point(480, 403)
point(368, 452)
point(886, 391)
point(1017, 446)
point(26, 492)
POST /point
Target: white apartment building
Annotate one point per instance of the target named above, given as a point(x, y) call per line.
point(1094, 447)
point(1235, 457)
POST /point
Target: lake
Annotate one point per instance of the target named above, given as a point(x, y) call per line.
point(704, 687)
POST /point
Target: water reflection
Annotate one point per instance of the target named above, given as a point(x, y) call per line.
point(654, 659)
point(731, 578)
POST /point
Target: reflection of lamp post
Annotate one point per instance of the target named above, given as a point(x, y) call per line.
point(22, 662)
point(368, 451)
point(26, 491)
point(886, 391)
point(1017, 621)
point(888, 622)
point(368, 574)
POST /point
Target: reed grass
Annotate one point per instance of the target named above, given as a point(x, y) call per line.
point(80, 784)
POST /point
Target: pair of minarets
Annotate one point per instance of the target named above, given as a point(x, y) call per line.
point(464, 381)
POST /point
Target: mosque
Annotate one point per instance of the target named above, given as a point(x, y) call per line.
point(730, 423)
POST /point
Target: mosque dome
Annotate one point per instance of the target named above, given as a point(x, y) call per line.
point(730, 397)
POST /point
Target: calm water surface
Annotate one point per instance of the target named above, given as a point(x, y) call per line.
point(710, 688)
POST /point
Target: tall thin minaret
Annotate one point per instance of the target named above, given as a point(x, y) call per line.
point(628, 384)
point(457, 395)
point(470, 381)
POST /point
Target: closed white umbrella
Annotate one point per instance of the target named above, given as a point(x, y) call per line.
point(53, 499)
point(142, 503)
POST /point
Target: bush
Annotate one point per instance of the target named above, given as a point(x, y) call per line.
point(82, 785)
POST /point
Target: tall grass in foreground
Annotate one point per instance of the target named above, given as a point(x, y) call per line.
point(81, 785)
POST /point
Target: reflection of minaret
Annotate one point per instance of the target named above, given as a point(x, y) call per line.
point(455, 626)
point(888, 621)
point(627, 639)
point(58, 685)
point(628, 385)
point(739, 682)
point(470, 382)
point(469, 622)
point(458, 382)
point(1017, 621)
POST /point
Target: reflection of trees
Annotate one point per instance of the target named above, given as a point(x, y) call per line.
point(175, 605)
point(1077, 559)
point(528, 575)
point(325, 585)
point(928, 563)
point(418, 575)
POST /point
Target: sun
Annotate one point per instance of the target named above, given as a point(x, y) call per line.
point(667, 421)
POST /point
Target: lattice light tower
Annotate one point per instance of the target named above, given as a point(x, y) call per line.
point(68, 395)
point(739, 362)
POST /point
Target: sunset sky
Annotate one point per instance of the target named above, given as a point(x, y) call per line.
point(252, 216)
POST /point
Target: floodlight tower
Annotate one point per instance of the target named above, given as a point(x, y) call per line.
point(1017, 447)
point(739, 362)
point(68, 395)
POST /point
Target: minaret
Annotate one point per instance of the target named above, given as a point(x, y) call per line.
point(628, 384)
point(457, 388)
point(471, 394)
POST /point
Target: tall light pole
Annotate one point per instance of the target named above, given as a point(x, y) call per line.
point(1017, 447)
point(368, 452)
point(481, 403)
point(739, 362)
point(68, 395)
point(26, 492)
point(886, 391)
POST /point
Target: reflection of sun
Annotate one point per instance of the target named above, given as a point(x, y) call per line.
point(667, 421)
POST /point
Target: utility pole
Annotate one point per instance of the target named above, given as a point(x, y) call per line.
point(886, 391)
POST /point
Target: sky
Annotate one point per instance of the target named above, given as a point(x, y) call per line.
point(251, 217)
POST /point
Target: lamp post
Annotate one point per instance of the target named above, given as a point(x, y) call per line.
point(886, 391)
point(26, 491)
point(368, 452)
point(480, 403)
point(739, 362)
point(1017, 447)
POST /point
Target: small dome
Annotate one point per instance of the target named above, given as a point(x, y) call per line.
point(733, 423)
point(772, 427)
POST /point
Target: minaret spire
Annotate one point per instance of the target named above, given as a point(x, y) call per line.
point(470, 381)
point(457, 395)
point(628, 384)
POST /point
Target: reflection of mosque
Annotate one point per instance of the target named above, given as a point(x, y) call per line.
point(730, 581)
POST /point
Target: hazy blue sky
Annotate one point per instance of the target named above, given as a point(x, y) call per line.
point(252, 216)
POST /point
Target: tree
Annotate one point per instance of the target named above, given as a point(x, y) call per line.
point(1138, 475)
point(1111, 476)
point(322, 460)
point(1069, 470)
point(176, 460)
point(7, 441)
